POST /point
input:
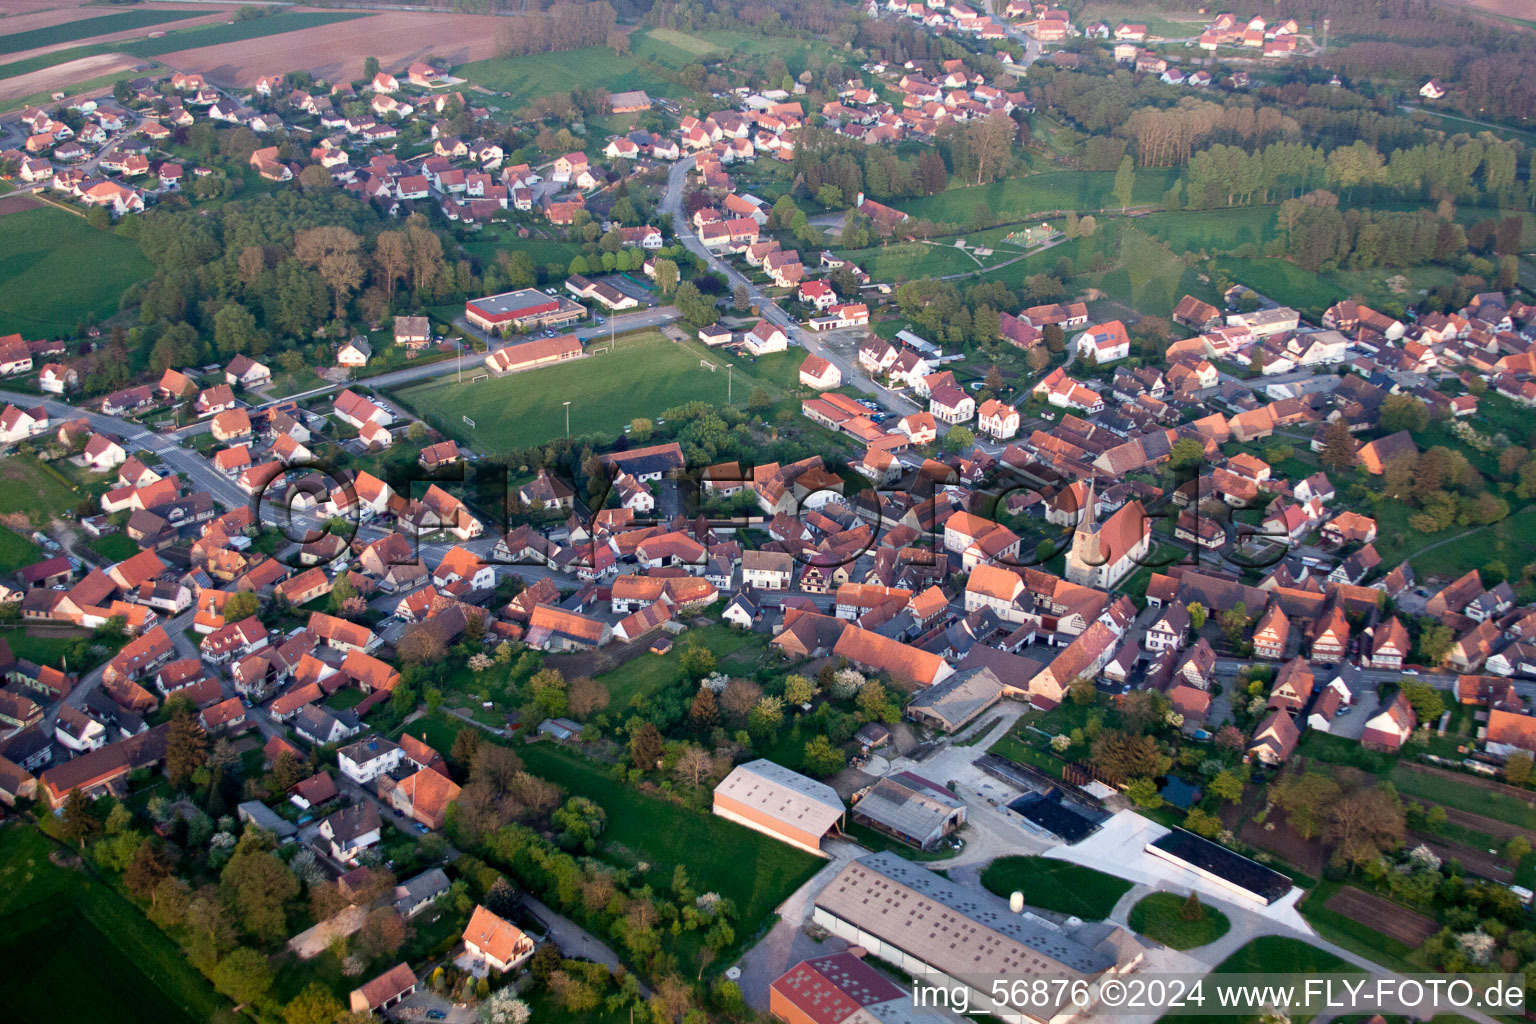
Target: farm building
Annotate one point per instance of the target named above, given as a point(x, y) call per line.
point(777, 802)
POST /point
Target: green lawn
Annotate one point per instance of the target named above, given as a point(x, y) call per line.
point(1150, 278)
point(644, 376)
point(73, 648)
point(1463, 796)
point(1017, 199)
point(781, 368)
point(543, 74)
point(1286, 283)
point(345, 698)
point(17, 551)
point(1172, 26)
point(56, 272)
point(56, 923)
point(484, 245)
point(635, 680)
point(1216, 230)
point(755, 872)
point(1372, 285)
point(85, 28)
point(1270, 954)
point(904, 261)
point(29, 488)
point(1056, 885)
point(116, 546)
point(669, 46)
point(1510, 541)
point(1160, 917)
point(678, 49)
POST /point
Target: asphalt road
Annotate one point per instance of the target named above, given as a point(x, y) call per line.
point(853, 376)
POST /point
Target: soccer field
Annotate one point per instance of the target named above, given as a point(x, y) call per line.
point(643, 376)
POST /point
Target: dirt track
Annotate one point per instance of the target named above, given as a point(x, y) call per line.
point(1488, 826)
point(1477, 862)
point(336, 51)
point(1391, 920)
point(15, 202)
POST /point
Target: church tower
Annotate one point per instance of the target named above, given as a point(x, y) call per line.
point(1087, 554)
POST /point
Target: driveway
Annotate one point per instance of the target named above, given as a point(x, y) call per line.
point(1351, 724)
point(574, 942)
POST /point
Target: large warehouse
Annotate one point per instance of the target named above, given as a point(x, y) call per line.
point(938, 932)
point(522, 310)
point(777, 802)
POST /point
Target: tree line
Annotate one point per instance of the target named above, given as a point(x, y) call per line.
point(564, 26)
point(1471, 169)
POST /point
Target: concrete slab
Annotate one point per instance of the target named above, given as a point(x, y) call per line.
point(1119, 848)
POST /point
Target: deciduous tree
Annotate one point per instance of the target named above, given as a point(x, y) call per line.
point(1365, 825)
point(694, 765)
point(244, 975)
point(1120, 756)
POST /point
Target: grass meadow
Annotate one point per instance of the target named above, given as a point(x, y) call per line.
point(57, 271)
point(82, 953)
point(752, 870)
point(1056, 885)
point(26, 487)
point(17, 551)
point(523, 78)
point(1018, 199)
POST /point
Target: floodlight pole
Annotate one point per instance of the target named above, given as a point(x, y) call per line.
point(567, 419)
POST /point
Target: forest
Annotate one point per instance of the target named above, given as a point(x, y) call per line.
point(260, 277)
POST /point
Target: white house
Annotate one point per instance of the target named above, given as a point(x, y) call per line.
point(998, 419)
point(951, 405)
point(498, 942)
point(367, 759)
point(355, 353)
point(1105, 342)
point(765, 338)
point(19, 424)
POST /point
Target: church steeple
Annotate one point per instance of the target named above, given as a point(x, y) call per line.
point(1087, 554)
